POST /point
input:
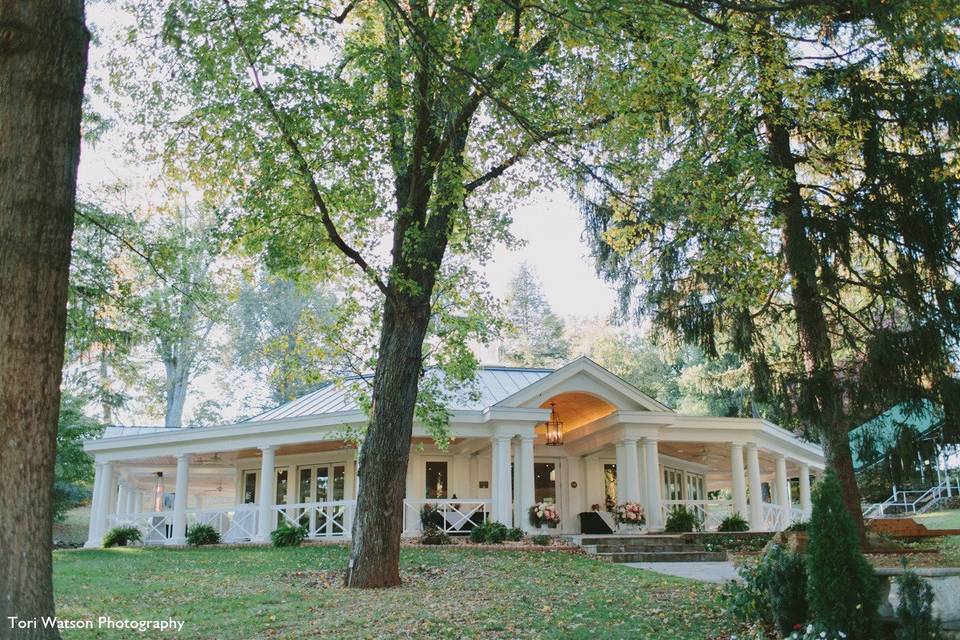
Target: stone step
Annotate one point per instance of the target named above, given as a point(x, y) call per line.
point(653, 548)
point(671, 556)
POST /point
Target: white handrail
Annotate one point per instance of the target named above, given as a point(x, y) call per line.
point(455, 515)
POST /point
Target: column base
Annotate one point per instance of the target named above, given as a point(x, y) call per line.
point(176, 542)
point(92, 544)
point(261, 539)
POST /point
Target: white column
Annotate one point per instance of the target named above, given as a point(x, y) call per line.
point(121, 498)
point(631, 471)
point(805, 490)
point(517, 503)
point(756, 488)
point(783, 491)
point(738, 486)
point(267, 520)
point(500, 477)
point(132, 495)
point(652, 462)
point(98, 515)
point(180, 501)
point(641, 473)
point(621, 472)
point(526, 495)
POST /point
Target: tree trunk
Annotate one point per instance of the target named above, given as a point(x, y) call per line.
point(821, 395)
point(43, 51)
point(177, 379)
point(378, 524)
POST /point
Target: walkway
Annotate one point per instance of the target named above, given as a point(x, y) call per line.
point(704, 571)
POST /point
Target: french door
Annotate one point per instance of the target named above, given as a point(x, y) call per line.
point(321, 483)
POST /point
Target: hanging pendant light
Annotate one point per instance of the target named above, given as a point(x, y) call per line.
point(554, 427)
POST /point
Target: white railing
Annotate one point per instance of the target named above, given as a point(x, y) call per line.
point(234, 524)
point(774, 517)
point(909, 503)
point(709, 513)
point(797, 514)
point(322, 519)
point(450, 516)
point(155, 526)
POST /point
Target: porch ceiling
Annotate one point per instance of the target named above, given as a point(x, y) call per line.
point(576, 409)
point(716, 456)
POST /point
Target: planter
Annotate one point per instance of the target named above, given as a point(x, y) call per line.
point(946, 593)
point(630, 528)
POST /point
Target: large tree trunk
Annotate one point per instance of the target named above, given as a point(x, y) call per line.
point(375, 550)
point(43, 52)
point(821, 394)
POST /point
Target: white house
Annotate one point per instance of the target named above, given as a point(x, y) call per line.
point(578, 436)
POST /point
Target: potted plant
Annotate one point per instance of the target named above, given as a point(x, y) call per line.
point(544, 514)
point(629, 516)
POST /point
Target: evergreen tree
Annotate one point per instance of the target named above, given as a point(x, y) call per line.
point(536, 336)
point(842, 589)
point(797, 204)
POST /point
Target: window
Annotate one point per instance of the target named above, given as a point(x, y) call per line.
point(695, 486)
point(610, 486)
point(545, 482)
point(672, 484)
point(249, 487)
point(436, 481)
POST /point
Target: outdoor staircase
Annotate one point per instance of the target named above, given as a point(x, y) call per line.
point(647, 548)
point(905, 504)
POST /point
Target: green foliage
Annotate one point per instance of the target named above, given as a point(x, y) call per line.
point(428, 516)
point(786, 585)
point(121, 536)
point(748, 599)
point(202, 534)
point(842, 589)
point(541, 539)
point(515, 534)
point(681, 520)
point(489, 533)
point(73, 469)
point(799, 525)
point(733, 523)
point(915, 609)
point(288, 535)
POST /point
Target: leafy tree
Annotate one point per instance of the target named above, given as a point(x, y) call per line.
point(73, 471)
point(536, 335)
point(277, 329)
point(43, 47)
point(796, 204)
point(349, 132)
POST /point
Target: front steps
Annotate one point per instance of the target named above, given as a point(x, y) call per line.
point(647, 548)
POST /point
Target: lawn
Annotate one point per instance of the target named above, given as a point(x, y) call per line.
point(940, 519)
point(258, 592)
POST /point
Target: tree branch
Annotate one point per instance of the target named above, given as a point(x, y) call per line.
point(302, 165)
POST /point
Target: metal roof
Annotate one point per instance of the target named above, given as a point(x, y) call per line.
point(492, 385)
point(871, 441)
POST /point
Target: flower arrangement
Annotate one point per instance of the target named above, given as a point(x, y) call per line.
point(544, 513)
point(629, 513)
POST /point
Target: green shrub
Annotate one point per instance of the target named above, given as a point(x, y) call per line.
point(681, 520)
point(799, 525)
point(915, 610)
point(288, 535)
point(201, 534)
point(427, 516)
point(434, 535)
point(515, 534)
point(842, 588)
point(121, 536)
point(733, 523)
point(478, 534)
point(541, 539)
point(748, 599)
point(496, 533)
point(786, 584)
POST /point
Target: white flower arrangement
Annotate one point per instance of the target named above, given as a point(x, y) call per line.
point(544, 513)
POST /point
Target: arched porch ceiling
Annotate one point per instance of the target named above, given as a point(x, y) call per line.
point(576, 409)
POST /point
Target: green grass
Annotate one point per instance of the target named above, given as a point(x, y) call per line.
point(73, 528)
point(940, 519)
point(258, 592)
